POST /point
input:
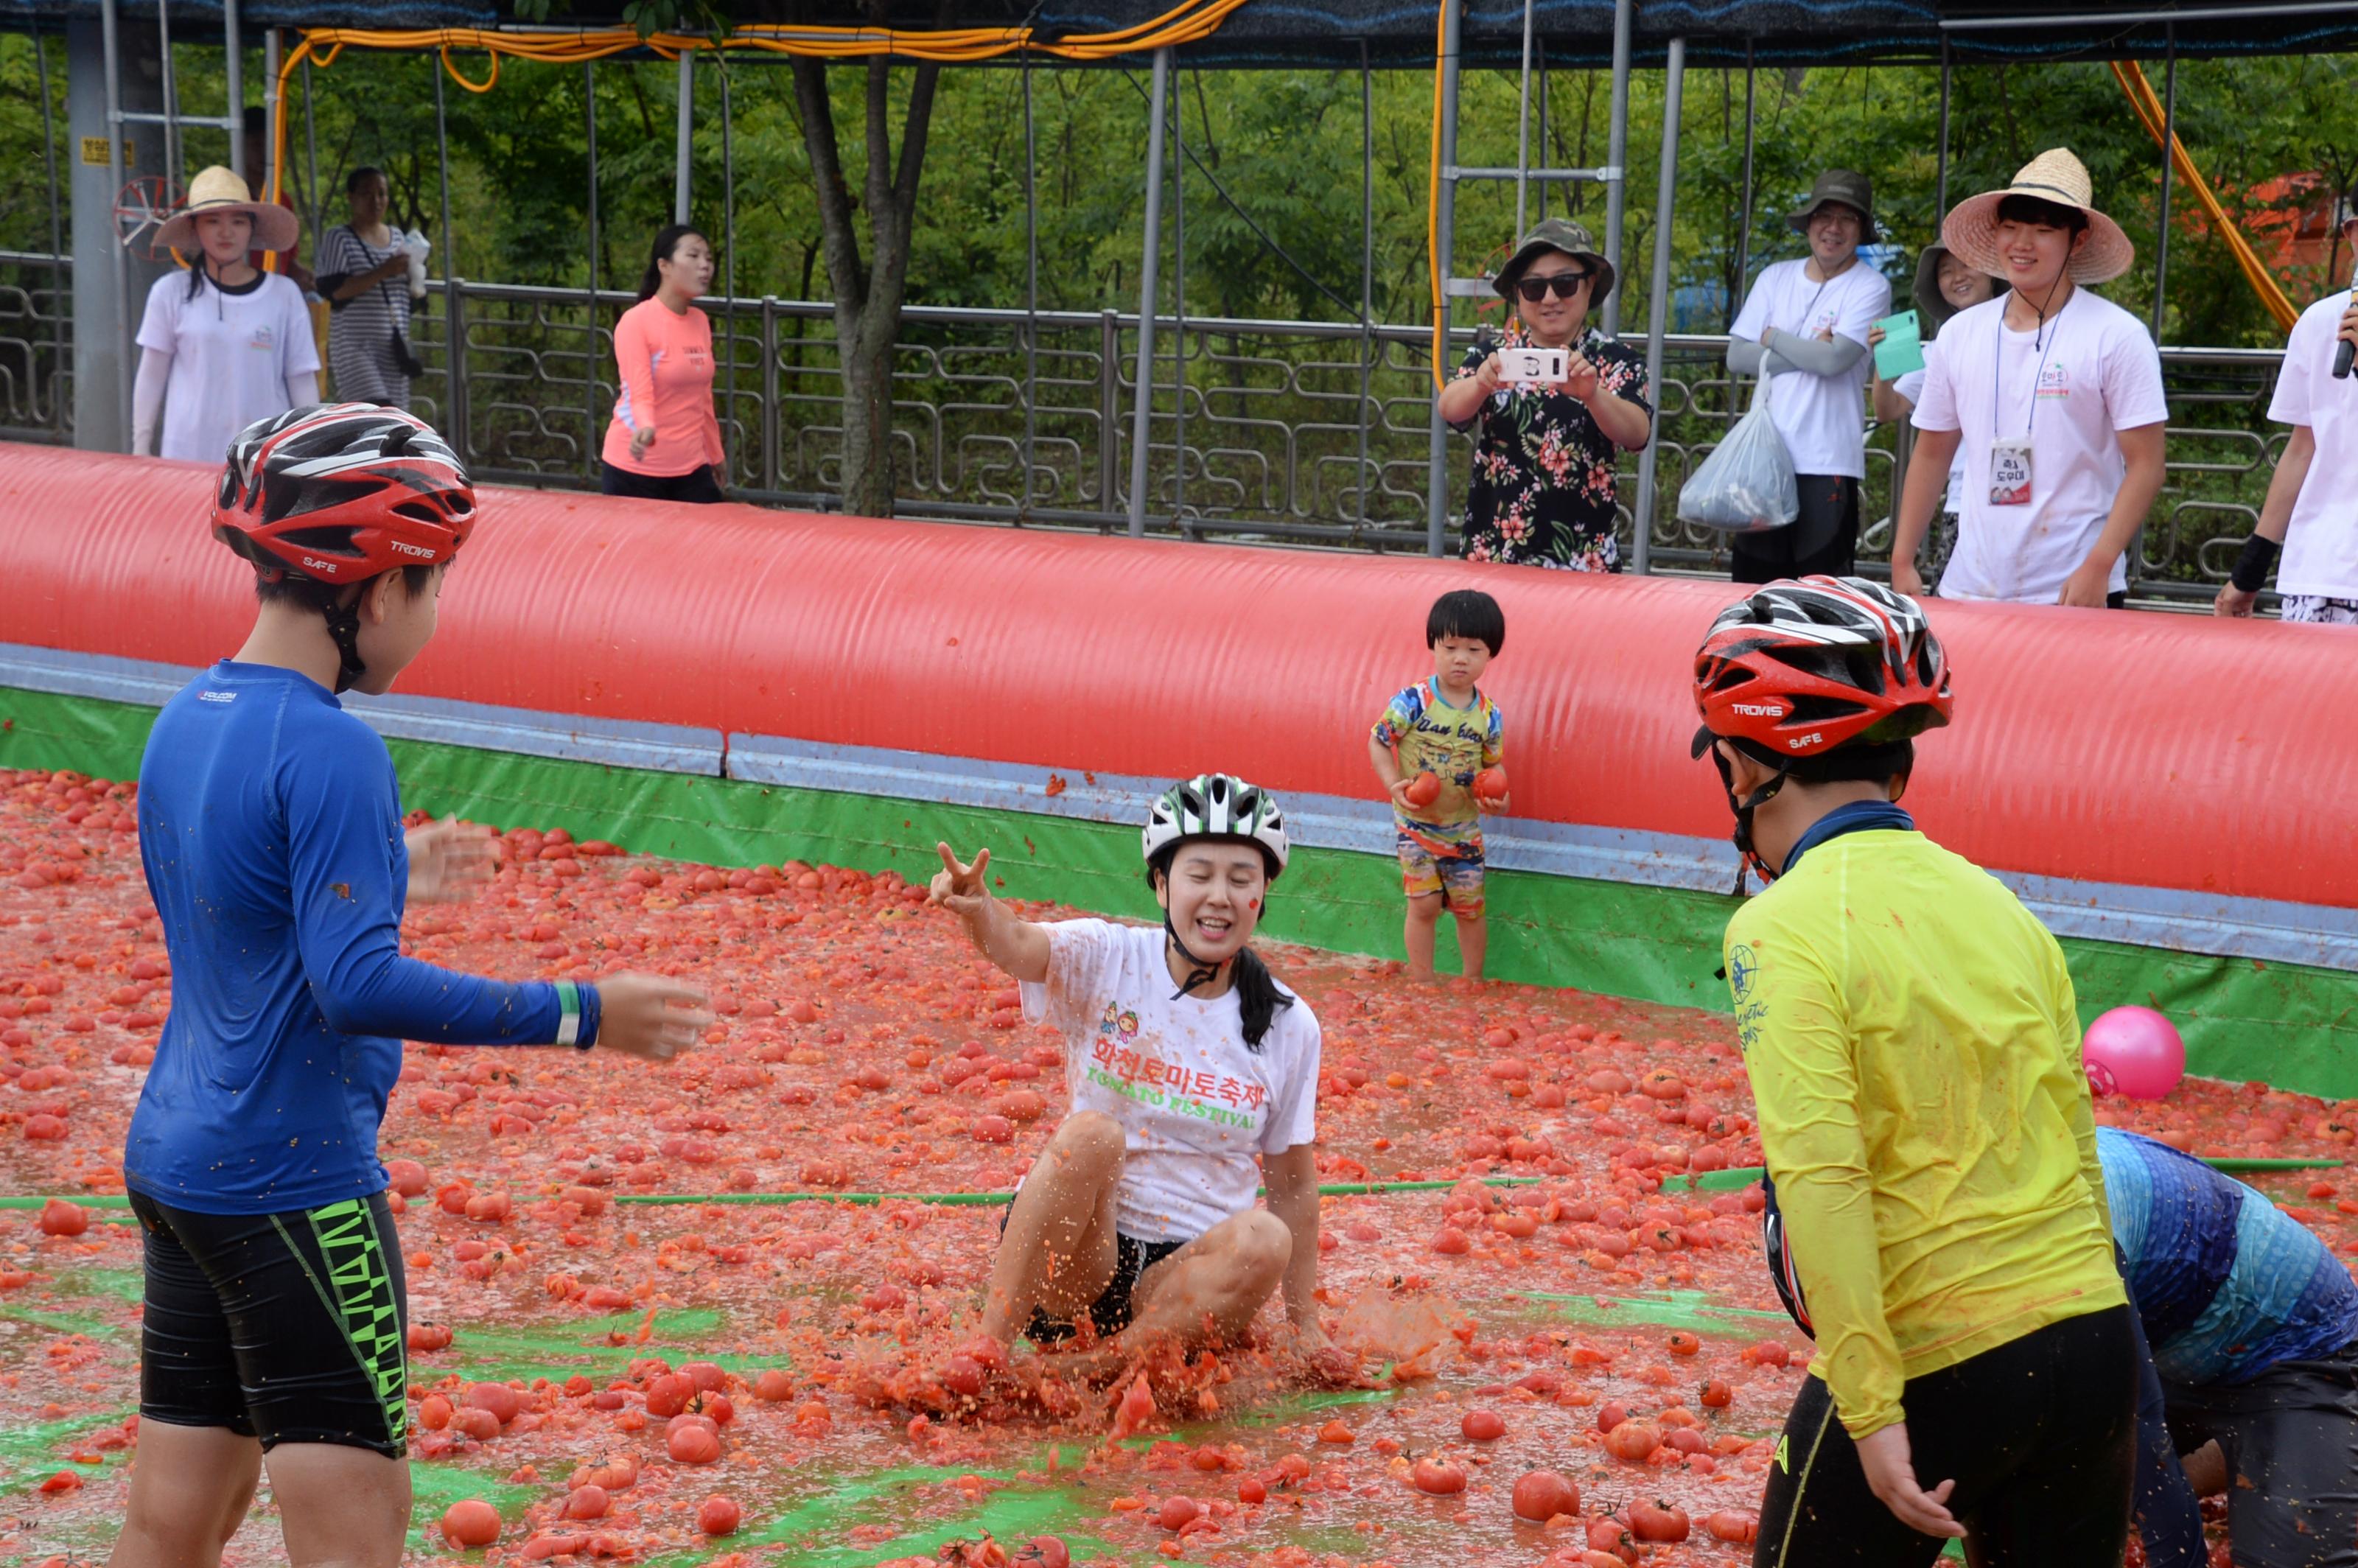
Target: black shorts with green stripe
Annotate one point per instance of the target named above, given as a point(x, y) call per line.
point(285, 1327)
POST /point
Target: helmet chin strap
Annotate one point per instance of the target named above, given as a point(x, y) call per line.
point(344, 627)
point(1744, 808)
point(1199, 973)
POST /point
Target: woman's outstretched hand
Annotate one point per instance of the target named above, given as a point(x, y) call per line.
point(960, 888)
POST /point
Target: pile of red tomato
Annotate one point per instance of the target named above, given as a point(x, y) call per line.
point(1584, 1367)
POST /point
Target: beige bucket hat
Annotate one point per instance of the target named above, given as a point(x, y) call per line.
point(219, 190)
point(1971, 229)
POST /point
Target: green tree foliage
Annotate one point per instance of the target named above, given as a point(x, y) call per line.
point(1284, 145)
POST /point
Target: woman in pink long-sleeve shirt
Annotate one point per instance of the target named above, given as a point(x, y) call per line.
point(664, 442)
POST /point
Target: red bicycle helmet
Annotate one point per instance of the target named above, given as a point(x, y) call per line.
point(341, 492)
point(1807, 666)
point(1804, 667)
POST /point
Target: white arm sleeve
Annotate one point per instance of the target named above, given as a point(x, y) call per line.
point(147, 399)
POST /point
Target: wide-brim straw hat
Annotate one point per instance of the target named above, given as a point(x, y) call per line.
point(1557, 234)
point(219, 190)
point(1932, 307)
point(1971, 227)
point(1844, 188)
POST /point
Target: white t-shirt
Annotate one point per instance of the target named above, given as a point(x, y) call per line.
point(1911, 385)
point(2090, 372)
point(1822, 418)
point(2320, 549)
point(232, 353)
point(1195, 1103)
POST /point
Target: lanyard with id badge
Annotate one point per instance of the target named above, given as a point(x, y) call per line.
point(2010, 465)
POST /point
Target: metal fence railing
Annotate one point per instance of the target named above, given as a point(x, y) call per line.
point(1287, 432)
point(35, 347)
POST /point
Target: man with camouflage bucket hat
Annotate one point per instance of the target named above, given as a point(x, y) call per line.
point(1543, 486)
point(1803, 330)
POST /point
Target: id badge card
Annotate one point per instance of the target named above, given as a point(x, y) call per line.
point(2009, 473)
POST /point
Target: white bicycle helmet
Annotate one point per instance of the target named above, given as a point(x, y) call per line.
point(1216, 805)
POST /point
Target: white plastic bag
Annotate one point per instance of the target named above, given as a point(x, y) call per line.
point(1746, 485)
point(416, 244)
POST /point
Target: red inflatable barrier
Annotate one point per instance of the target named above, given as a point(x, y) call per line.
point(2163, 750)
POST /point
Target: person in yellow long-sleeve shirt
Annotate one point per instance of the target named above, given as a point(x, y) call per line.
point(1936, 1216)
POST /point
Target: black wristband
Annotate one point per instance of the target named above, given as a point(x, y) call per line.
point(2252, 565)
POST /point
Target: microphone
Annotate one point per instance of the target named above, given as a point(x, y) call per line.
point(2344, 350)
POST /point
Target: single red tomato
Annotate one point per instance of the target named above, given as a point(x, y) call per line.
point(1632, 1441)
point(1658, 1520)
point(1438, 1477)
point(718, 1516)
point(693, 1444)
point(1422, 790)
point(1541, 1494)
point(470, 1523)
point(1482, 1426)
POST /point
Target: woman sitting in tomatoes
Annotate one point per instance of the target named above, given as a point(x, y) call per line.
point(1194, 1081)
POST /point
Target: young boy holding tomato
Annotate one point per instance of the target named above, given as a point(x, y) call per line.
point(1439, 750)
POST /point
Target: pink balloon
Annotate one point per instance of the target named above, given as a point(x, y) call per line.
point(2134, 1051)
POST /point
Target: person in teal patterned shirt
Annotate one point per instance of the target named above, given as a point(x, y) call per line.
point(1444, 726)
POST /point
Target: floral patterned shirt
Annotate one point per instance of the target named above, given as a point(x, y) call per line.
point(1543, 493)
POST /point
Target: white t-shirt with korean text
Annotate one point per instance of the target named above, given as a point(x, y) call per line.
point(1822, 418)
point(2320, 548)
point(1195, 1102)
point(2071, 387)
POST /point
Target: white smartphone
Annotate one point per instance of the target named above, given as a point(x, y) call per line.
point(1532, 365)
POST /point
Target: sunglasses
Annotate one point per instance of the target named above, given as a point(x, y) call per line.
point(1565, 283)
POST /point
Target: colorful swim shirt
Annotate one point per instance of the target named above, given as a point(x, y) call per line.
point(1453, 744)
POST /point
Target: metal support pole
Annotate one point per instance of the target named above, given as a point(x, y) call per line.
point(1179, 307)
point(1524, 127)
point(1658, 300)
point(728, 227)
point(1030, 303)
point(2169, 162)
point(60, 293)
point(1366, 266)
point(591, 441)
point(1109, 410)
point(1436, 448)
point(310, 149)
point(122, 256)
point(273, 108)
point(1141, 423)
point(172, 150)
point(1744, 208)
point(1617, 157)
point(686, 135)
point(233, 64)
point(1940, 169)
point(454, 322)
point(1546, 125)
point(770, 392)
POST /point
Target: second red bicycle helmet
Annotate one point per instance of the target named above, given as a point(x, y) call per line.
point(341, 492)
point(1807, 666)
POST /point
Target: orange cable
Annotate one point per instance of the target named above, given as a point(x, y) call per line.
point(2149, 109)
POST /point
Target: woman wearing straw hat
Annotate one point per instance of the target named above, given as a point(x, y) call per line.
point(1543, 491)
point(1804, 323)
point(225, 344)
point(2051, 395)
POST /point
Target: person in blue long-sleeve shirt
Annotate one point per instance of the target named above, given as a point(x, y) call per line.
point(270, 828)
point(2253, 1327)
